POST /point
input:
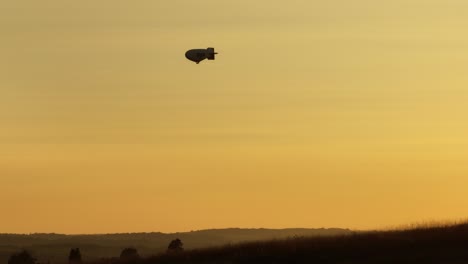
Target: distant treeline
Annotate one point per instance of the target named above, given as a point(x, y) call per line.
point(55, 248)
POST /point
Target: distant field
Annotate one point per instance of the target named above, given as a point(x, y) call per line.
point(54, 248)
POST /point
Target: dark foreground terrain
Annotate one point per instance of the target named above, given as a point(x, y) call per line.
point(444, 244)
point(423, 244)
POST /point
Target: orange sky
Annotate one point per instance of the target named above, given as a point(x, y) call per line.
point(315, 114)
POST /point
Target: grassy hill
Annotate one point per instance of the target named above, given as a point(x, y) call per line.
point(440, 244)
point(55, 247)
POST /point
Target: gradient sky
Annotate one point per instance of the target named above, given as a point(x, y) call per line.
point(329, 113)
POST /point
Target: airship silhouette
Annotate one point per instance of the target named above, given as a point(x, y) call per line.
point(197, 55)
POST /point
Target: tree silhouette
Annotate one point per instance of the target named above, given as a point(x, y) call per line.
point(22, 257)
point(176, 245)
point(75, 256)
point(129, 254)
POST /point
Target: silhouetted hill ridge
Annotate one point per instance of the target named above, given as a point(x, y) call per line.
point(424, 244)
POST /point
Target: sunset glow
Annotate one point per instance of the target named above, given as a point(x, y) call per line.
point(335, 113)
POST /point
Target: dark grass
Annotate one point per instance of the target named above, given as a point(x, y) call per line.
point(423, 244)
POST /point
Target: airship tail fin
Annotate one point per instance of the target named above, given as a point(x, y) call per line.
point(211, 53)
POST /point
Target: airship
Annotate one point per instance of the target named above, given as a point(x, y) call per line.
point(197, 55)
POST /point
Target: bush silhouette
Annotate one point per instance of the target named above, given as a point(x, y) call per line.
point(75, 256)
point(176, 245)
point(22, 257)
point(129, 254)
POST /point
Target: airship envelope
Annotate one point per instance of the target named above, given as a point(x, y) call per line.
point(197, 55)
